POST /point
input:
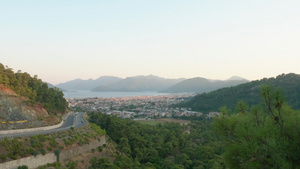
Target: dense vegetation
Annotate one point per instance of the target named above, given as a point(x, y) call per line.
point(33, 88)
point(170, 145)
point(248, 92)
point(266, 135)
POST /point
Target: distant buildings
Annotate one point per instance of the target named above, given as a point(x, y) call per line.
point(137, 106)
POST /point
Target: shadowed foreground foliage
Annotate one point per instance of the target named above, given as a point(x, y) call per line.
point(265, 136)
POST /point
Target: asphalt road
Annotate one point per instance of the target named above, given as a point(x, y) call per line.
point(75, 120)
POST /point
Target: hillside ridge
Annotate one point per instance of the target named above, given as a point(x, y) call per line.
point(201, 85)
point(249, 92)
point(27, 102)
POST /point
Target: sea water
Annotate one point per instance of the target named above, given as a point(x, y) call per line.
point(90, 94)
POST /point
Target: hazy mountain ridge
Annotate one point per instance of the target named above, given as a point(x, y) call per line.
point(53, 86)
point(248, 92)
point(232, 78)
point(201, 85)
point(139, 83)
point(149, 83)
point(79, 84)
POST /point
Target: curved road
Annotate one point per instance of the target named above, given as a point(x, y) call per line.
point(75, 120)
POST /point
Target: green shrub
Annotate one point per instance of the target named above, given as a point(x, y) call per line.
point(3, 156)
point(49, 148)
point(100, 148)
point(43, 151)
point(72, 165)
point(12, 156)
point(97, 129)
point(29, 150)
point(23, 167)
point(34, 137)
point(57, 152)
point(22, 154)
point(42, 138)
point(68, 142)
point(6, 139)
point(33, 143)
point(35, 153)
point(53, 143)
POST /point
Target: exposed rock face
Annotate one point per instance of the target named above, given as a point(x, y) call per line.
point(14, 109)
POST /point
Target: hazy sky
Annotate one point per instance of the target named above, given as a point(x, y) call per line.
point(64, 40)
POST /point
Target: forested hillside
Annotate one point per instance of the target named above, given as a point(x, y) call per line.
point(248, 92)
point(34, 89)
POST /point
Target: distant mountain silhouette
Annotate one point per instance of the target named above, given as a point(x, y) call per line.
point(79, 84)
point(236, 78)
point(201, 85)
point(139, 83)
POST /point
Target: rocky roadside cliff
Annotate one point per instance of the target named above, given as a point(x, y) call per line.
point(18, 112)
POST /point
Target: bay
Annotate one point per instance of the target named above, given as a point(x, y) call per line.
point(90, 94)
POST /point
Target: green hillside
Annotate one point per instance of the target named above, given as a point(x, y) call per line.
point(289, 85)
point(34, 89)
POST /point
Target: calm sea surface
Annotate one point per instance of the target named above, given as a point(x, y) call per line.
point(86, 94)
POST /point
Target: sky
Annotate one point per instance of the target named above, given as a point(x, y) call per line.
point(64, 40)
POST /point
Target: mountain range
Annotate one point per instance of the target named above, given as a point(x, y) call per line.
point(149, 83)
point(138, 84)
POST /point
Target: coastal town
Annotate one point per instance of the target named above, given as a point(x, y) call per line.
point(137, 107)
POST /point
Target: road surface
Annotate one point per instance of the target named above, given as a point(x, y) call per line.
point(75, 120)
